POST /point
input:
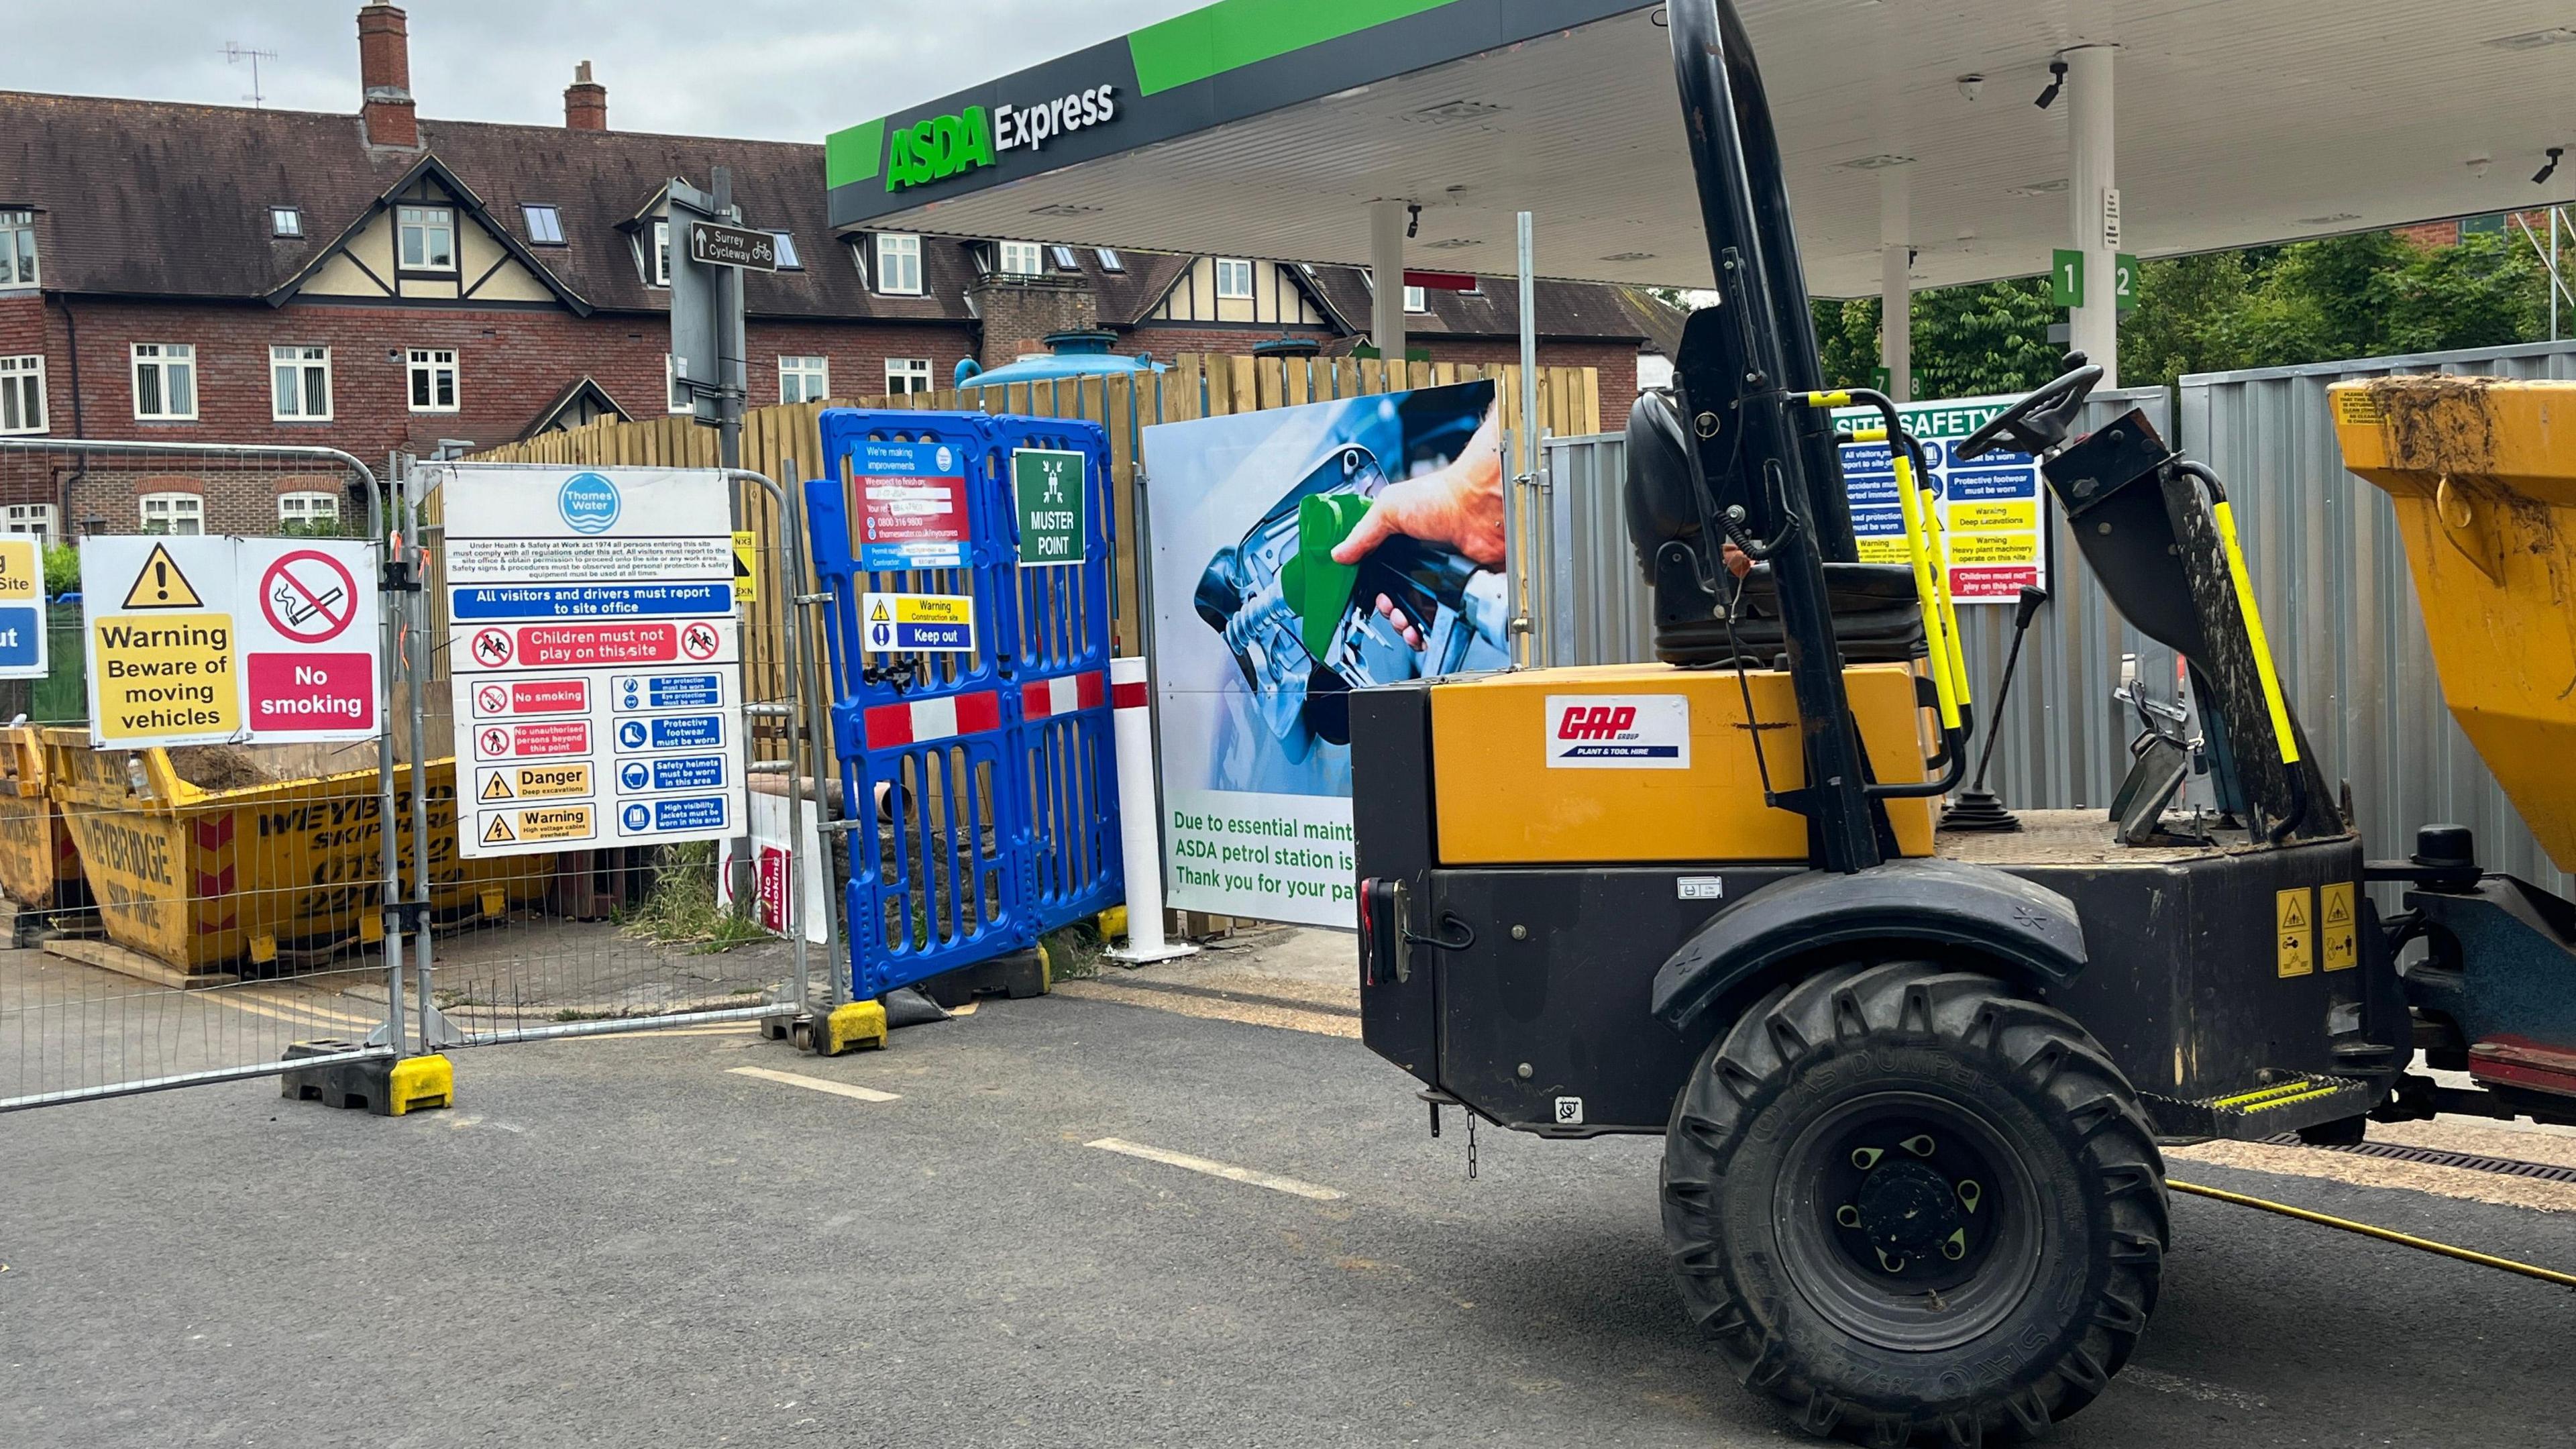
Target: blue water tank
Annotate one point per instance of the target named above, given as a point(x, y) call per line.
point(1068, 354)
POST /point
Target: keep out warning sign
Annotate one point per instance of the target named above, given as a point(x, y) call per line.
point(214, 640)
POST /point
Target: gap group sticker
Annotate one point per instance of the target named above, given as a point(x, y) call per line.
point(1618, 731)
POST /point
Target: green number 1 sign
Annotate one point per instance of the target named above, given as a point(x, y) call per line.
point(2066, 278)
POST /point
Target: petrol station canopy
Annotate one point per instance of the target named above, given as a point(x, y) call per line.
point(1270, 129)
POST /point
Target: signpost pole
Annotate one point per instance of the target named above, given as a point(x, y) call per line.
point(1524, 562)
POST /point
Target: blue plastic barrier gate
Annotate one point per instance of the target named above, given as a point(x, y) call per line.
point(984, 752)
point(1068, 756)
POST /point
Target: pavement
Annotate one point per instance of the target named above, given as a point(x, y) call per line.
point(1089, 1219)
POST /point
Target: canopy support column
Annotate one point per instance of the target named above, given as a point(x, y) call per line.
point(2091, 180)
point(1386, 263)
point(1896, 279)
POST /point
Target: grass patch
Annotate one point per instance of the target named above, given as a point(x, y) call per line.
point(1073, 952)
point(680, 909)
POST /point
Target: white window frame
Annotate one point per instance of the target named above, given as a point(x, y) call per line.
point(176, 508)
point(286, 221)
point(429, 364)
point(657, 262)
point(676, 398)
point(164, 361)
point(788, 260)
point(898, 262)
point(24, 520)
point(18, 253)
point(907, 375)
point(1030, 256)
point(803, 379)
point(310, 506)
point(1417, 299)
point(1233, 267)
point(305, 362)
point(427, 223)
point(22, 394)
point(548, 234)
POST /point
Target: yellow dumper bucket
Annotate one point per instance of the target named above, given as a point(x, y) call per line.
point(2483, 474)
point(207, 879)
point(38, 866)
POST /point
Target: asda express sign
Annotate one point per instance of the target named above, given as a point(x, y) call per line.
point(943, 146)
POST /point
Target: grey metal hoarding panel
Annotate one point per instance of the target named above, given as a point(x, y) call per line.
point(2339, 600)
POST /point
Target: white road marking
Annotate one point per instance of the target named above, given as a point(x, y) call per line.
point(1218, 1169)
point(816, 1084)
point(2207, 1393)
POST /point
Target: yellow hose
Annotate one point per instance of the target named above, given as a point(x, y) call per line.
point(2385, 1235)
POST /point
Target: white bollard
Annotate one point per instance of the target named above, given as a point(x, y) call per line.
point(1140, 835)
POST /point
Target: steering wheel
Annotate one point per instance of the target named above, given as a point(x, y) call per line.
point(2040, 421)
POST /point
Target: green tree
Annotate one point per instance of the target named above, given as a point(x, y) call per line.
point(2373, 294)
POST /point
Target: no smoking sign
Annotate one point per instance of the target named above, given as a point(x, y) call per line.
point(308, 597)
point(310, 669)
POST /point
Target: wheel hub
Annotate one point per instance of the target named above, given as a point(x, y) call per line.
point(1907, 1209)
point(1916, 1225)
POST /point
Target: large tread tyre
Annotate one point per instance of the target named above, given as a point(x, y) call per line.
point(2038, 1314)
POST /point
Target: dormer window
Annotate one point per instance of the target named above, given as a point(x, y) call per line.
point(1022, 259)
point(428, 238)
point(286, 222)
point(898, 265)
point(659, 263)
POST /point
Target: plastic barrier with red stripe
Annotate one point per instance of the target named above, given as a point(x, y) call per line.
point(992, 772)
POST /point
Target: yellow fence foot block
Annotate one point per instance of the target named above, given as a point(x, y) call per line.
point(850, 1026)
point(420, 1084)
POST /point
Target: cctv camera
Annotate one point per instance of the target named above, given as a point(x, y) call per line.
point(1971, 86)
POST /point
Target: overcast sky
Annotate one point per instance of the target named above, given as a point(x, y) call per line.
point(762, 68)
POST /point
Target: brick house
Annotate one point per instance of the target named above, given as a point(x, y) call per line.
point(383, 282)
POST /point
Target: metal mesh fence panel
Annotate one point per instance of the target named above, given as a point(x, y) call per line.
point(599, 935)
point(186, 914)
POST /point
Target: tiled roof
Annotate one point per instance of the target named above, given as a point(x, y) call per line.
point(153, 198)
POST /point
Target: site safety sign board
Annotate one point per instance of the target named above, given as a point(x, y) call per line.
point(1993, 510)
point(596, 657)
point(259, 641)
point(22, 608)
point(918, 623)
point(911, 505)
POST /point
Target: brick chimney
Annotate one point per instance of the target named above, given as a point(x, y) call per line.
point(585, 102)
point(384, 68)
